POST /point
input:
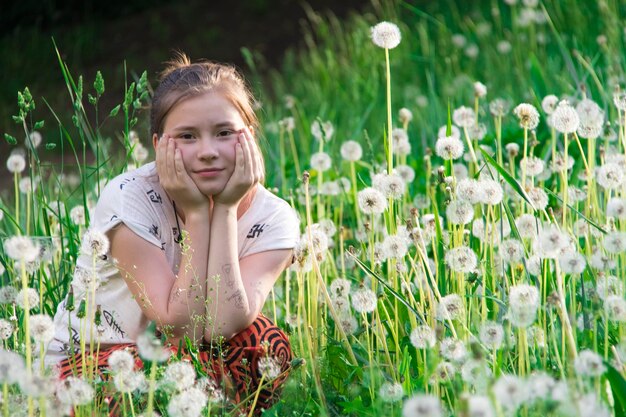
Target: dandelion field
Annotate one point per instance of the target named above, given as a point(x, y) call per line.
point(462, 196)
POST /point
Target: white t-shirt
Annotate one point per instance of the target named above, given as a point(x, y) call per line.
point(137, 199)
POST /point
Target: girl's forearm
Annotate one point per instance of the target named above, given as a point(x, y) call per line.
point(228, 308)
point(186, 303)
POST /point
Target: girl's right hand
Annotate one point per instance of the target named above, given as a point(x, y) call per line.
point(174, 177)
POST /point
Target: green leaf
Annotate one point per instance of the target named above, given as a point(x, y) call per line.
point(11, 140)
point(507, 177)
point(50, 146)
point(366, 269)
point(577, 212)
point(449, 123)
point(115, 110)
point(39, 124)
point(618, 386)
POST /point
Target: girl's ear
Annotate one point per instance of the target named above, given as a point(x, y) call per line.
point(155, 140)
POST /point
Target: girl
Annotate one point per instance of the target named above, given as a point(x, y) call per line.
point(196, 242)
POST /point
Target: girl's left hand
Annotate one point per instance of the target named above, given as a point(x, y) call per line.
point(247, 173)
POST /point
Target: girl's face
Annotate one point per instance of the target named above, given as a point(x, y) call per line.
point(205, 129)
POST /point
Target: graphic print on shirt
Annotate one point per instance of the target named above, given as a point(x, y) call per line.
point(126, 181)
point(110, 320)
point(256, 230)
point(154, 197)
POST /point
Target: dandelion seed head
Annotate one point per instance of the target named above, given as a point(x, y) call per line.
point(29, 293)
point(444, 372)
point(150, 348)
point(74, 391)
point(450, 307)
point(491, 191)
point(616, 207)
point(288, 124)
point(464, 117)
point(550, 241)
point(589, 363)
point(472, 51)
point(140, 153)
point(7, 294)
point(469, 190)
point(390, 392)
point(523, 297)
point(16, 163)
point(565, 118)
point(371, 201)
point(540, 386)
point(94, 243)
point(181, 375)
point(121, 361)
point(364, 300)
point(21, 249)
point(572, 263)
point(510, 391)
point(480, 89)
point(6, 329)
point(423, 337)
point(351, 151)
point(461, 259)
point(478, 132)
point(549, 103)
point(601, 261)
point(449, 147)
point(479, 406)
point(405, 172)
point(41, 328)
point(188, 403)
point(527, 226)
point(527, 115)
point(320, 161)
point(455, 132)
point(504, 47)
point(459, 40)
point(453, 350)
point(459, 212)
point(392, 186)
point(532, 165)
point(476, 373)
point(348, 323)
point(512, 149)
point(422, 405)
point(269, 367)
point(619, 99)
point(405, 115)
point(610, 175)
point(615, 307)
point(386, 35)
point(322, 130)
point(615, 242)
point(491, 334)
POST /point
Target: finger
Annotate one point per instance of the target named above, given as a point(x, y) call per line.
point(245, 167)
point(169, 159)
point(160, 154)
point(257, 159)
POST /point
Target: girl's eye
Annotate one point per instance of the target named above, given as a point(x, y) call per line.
point(186, 136)
point(225, 133)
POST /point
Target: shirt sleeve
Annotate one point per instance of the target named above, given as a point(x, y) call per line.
point(280, 231)
point(134, 203)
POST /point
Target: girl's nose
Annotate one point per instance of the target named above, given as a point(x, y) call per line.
point(208, 149)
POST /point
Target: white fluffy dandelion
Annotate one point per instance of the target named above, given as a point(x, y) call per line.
point(6, 329)
point(449, 147)
point(21, 249)
point(121, 361)
point(31, 295)
point(615, 308)
point(589, 363)
point(74, 391)
point(386, 35)
point(450, 307)
point(461, 259)
point(491, 191)
point(565, 118)
point(405, 115)
point(94, 243)
point(479, 406)
point(549, 103)
point(423, 337)
point(351, 151)
point(468, 189)
point(321, 162)
point(527, 115)
point(480, 89)
point(371, 201)
point(364, 300)
point(464, 117)
point(610, 175)
point(188, 403)
point(390, 392)
point(491, 334)
point(181, 375)
point(422, 405)
point(511, 392)
point(41, 328)
point(16, 163)
point(269, 367)
point(459, 212)
point(572, 263)
point(615, 242)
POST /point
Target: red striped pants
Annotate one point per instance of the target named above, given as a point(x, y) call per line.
point(233, 366)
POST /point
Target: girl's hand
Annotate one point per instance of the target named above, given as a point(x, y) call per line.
point(175, 179)
point(247, 173)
